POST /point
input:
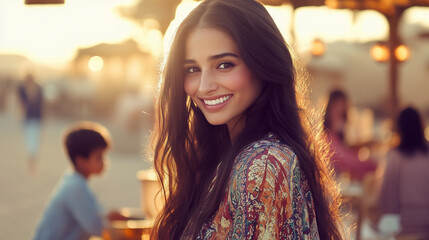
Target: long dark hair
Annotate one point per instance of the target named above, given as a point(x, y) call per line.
point(411, 132)
point(188, 150)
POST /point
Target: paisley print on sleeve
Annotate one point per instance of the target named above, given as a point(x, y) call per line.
point(267, 197)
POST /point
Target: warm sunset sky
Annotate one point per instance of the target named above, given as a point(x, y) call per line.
point(51, 33)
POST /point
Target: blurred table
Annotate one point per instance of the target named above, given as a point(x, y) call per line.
point(136, 227)
point(129, 230)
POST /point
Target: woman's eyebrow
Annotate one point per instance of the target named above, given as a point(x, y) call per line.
point(217, 56)
point(214, 57)
point(188, 61)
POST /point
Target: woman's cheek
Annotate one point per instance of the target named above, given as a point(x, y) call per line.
point(190, 86)
point(237, 80)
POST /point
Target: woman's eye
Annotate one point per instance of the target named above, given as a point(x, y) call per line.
point(191, 69)
point(225, 65)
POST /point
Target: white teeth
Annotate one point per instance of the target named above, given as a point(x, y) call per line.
point(217, 101)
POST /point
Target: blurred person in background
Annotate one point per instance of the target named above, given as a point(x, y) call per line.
point(344, 158)
point(404, 194)
point(234, 146)
point(30, 96)
point(73, 212)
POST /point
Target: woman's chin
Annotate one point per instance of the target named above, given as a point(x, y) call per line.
point(216, 122)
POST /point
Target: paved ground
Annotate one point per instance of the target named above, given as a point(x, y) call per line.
point(23, 195)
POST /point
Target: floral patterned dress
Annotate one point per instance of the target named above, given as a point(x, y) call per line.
point(268, 197)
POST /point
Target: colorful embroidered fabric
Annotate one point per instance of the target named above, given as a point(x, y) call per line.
point(268, 197)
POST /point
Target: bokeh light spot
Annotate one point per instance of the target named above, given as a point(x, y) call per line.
point(95, 63)
point(402, 53)
point(318, 48)
point(380, 53)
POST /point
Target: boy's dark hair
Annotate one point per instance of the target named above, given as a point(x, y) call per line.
point(82, 138)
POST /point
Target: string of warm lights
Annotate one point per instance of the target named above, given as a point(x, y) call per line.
point(380, 52)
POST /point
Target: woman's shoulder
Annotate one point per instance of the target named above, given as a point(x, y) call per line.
point(267, 150)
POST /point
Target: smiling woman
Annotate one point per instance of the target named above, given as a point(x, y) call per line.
point(217, 80)
point(236, 154)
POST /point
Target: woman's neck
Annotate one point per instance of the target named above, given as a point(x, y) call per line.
point(235, 128)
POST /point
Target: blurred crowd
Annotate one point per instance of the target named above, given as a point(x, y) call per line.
point(383, 180)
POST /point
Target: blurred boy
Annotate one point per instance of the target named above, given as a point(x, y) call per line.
point(73, 211)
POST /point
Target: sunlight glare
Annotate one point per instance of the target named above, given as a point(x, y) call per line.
point(77, 23)
point(417, 15)
point(324, 23)
point(282, 16)
point(371, 25)
point(182, 10)
point(95, 63)
point(150, 37)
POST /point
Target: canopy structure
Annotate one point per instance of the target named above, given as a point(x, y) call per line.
point(386, 7)
point(391, 9)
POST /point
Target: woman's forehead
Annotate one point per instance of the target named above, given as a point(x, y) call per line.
point(209, 41)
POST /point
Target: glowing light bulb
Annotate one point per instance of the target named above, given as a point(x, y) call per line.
point(402, 53)
point(379, 53)
point(318, 48)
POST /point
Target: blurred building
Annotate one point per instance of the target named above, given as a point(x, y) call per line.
point(104, 72)
point(115, 82)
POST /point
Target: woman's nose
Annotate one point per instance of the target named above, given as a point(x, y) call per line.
point(207, 82)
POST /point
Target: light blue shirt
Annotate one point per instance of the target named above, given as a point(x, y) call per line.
point(72, 213)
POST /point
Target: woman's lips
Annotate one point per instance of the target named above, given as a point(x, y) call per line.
point(216, 102)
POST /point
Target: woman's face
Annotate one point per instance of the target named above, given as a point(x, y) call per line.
point(338, 115)
point(217, 79)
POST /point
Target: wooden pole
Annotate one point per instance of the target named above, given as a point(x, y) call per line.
point(394, 42)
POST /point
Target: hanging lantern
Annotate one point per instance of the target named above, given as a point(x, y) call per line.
point(380, 52)
point(318, 48)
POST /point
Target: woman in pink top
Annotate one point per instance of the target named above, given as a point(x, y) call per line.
point(344, 158)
